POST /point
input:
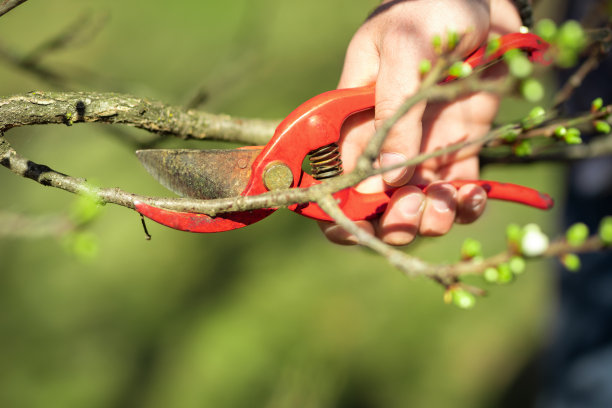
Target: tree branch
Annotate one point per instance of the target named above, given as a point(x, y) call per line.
point(8, 5)
point(67, 108)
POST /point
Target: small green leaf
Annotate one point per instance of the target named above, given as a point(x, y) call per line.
point(571, 262)
point(605, 230)
point(463, 299)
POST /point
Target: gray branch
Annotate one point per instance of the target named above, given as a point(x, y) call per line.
point(37, 108)
point(8, 5)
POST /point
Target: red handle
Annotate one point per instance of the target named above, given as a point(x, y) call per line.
point(360, 206)
point(317, 123)
point(344, 102)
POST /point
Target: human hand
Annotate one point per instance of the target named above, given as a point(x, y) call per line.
point(388, 49)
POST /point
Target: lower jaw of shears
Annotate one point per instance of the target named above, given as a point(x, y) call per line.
point(194, 222)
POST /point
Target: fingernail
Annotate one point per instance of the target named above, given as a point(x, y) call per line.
point(441, 197)
point(411, 204)
point(477, 201)
point(391, 159)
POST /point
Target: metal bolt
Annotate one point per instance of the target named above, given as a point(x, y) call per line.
point(277, 176)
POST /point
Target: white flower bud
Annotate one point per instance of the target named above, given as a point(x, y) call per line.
point(534, 242)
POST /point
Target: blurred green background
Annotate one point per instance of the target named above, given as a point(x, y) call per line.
point(268, 316)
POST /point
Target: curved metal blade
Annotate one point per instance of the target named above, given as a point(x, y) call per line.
point(201, 173)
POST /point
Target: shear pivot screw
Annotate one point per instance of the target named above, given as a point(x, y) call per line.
point(277, 176)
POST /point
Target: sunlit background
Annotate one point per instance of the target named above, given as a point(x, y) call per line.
point(267, 316)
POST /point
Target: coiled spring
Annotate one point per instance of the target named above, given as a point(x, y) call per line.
point(325, 162)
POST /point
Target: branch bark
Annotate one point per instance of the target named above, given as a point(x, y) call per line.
point(8, 5)
point(67, 108)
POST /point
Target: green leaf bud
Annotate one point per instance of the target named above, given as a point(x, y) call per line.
point(460, 69)
point(453, 39)
point(436, 42)
point(520, 66)
point(523, 148)
point(577, 234)
point(85, 208)
point(547, 29)
point(571, 262)
point(560, 131)
point(571, 36)
point(511, 136)
point(491, 275)
point(535, 117)
point(83, 245)
point(573, 136)
point(463, 299)
point(532, 90)
point(596, 105)
point(471, 248)
point(605, 230)
point(602, 127)
point(493, 45)
point(513, 233)
point(517, 265)
point(424, 66)
point(505, 274)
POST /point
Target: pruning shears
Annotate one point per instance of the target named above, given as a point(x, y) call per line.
point(312, 130)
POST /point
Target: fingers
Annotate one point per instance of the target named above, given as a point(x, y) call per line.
point(471, 202)
point(362, 60)
point(339, 235)
point(411, 212)
point(397, 79)
point(400, 223)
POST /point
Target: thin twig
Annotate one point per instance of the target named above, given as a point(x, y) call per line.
point(27, 226)
point(8, 5)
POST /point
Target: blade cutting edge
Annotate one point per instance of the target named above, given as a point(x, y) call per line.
point(203, 174)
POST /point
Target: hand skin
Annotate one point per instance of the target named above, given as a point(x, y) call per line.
point(387, 49)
